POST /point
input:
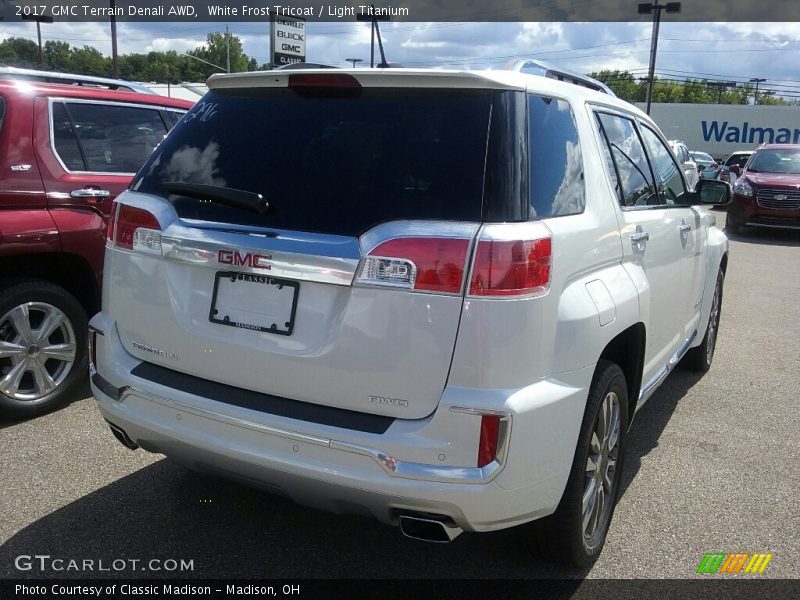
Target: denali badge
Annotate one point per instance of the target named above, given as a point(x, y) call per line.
point(152, 350)
point(388, 401)
point(233, 257)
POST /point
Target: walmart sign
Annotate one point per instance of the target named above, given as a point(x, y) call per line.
point(720, 129)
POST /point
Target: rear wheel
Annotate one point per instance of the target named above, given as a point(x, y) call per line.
point(43, 347)
point(701, 357)
point(576, 532)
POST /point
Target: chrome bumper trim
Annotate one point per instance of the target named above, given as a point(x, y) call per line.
point(392, 466)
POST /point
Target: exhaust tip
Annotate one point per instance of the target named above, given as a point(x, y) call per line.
point(122, 437)
point(434, 530)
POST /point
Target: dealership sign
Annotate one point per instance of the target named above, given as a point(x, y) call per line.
point(288, 40)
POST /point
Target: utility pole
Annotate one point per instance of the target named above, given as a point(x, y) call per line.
point(655, 10)
point(721, 87)
point(228, 46)
point(39, 20)
point(114, 58)
point(373, 18)
point(354, 61)
point(756, 80)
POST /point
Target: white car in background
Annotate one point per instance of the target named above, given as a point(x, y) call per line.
point(687, 163)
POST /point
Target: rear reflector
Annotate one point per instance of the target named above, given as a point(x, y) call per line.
point(490, 435)
point(137, 229)
point(511, 268)
point(426, 264)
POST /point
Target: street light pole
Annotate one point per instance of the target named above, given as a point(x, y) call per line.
point(373, 18)
point(756, 80)
point(114, 58)
point(354, 61)
point(655, 10)
point(39, 20)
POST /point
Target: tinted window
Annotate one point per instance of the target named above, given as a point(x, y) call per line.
point(737, 159)
point(65, 140)
point(2, 111)
point(669, 179)
point(556, 166)
point(330, 164)
point(115, 139)
point(626, 161)
point(174, 116)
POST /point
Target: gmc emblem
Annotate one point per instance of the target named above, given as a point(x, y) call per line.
point(235, 258)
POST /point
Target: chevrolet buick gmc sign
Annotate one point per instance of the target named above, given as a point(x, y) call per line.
point(288, 40)
point(721, 129)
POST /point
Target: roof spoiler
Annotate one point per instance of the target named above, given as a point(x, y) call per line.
point(542, 69)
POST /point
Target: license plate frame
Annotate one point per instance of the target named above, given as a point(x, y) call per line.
point(254, 281)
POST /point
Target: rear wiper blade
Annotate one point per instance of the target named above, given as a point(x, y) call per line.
point(222, 195)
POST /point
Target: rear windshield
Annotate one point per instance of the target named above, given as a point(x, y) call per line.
point(337, 165)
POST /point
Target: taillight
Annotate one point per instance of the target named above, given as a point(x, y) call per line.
point(511, 267)
point(137, 229)
point(489, 438)
point(427, 264)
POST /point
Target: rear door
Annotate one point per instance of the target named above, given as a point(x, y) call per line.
point(89, 150)
point(652, 250)
point(343, 286)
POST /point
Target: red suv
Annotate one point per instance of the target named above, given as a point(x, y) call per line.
point(767, 193)
point(66, 151)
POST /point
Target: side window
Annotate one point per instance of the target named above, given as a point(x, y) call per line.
point(2, 111)
point(115, 139)
point(176, 116)
point(669, 179)
point(65, 141)
point(556, 165)
point(626, 161)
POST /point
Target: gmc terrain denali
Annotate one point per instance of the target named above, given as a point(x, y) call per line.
point(436, 297)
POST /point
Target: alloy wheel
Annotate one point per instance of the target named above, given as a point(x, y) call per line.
point(601, 465)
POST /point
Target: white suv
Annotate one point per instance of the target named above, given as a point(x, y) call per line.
point(435, 297)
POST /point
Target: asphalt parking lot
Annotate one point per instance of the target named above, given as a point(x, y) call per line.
point(712, 465)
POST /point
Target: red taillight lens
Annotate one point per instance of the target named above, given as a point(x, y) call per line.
point(429, 264)
point(129, 219)
point(490, 435)
point(111, 221)
point(511, 268)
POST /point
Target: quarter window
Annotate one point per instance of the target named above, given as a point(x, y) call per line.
point(105, 138)
point(669, 179)
point(556, 165)
point(626, 161)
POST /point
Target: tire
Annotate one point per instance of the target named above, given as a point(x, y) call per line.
point(37, 373)
point(701, 357)
point(564, 536)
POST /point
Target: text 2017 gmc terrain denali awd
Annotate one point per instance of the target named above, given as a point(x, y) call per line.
point(438, 297)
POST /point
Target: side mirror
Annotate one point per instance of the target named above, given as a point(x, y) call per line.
point(735, 170)
point(713, 191)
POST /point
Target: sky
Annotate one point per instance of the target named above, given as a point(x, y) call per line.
point(729, 51)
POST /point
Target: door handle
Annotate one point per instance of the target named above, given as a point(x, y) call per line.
point(90, 193)
point(684, 228)
point(639, 237)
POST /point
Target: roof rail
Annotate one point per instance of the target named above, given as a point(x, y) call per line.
point(71, 79)
point(535, 67)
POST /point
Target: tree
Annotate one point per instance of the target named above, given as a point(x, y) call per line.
point(57, 56)
point(19, 52)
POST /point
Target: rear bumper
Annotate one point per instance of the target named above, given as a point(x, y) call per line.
point(416, 466)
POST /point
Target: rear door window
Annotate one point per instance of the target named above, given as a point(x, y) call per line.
point(337, 165)
point(105, 138)
point(556, 166)
point(626, 161)
point(2, 111)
